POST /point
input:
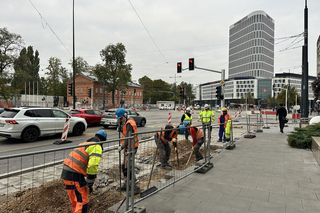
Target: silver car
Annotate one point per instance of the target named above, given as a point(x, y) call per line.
point(29, 124)
point(109, 118)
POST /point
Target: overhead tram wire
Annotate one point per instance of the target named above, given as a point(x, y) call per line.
point(50, 28)
point(146, 29)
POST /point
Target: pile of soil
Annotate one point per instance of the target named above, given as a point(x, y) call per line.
point(52, 197)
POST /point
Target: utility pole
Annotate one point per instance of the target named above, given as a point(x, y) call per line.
point(73, 61)
point(305, 69)
point(175, 87)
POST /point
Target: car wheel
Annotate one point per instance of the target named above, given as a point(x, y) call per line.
point(30, 134)
point(142, 122)
point(78, 129)
point(105, 126)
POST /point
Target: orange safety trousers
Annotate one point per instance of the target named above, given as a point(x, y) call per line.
point(78, 196)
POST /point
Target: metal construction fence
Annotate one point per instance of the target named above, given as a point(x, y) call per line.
point(25, 178)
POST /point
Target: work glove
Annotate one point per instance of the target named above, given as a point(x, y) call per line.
point(90, 181)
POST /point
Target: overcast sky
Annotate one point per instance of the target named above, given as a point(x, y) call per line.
point(180, 29)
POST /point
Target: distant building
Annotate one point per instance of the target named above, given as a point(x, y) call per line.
point(294, 80)
point(251, 46)
point(132, 95)
point(318, 57)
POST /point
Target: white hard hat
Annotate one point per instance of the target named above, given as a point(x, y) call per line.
point(188, 109)
point(206, 106)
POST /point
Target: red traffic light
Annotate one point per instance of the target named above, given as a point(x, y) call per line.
point(179, 67)
point(191, 63)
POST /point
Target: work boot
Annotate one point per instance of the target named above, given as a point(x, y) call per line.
point(220, 140)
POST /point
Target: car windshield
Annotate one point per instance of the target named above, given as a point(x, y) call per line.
point(9, 113)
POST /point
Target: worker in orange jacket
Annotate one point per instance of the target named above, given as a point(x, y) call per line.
point(222, 122)
point(197, 141)
point(127, 128)
point(80, 170)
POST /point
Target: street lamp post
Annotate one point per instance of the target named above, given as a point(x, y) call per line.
point(73, 61)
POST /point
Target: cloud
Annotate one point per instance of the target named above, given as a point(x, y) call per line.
point(180, 28)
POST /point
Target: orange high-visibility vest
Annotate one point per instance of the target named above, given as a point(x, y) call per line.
point(226, 118)
point(173, 134)
point(135, 131)
point(199, 134)
point(78, 159)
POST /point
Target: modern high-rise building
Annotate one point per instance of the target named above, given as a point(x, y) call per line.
point(251, 46)
point(318, 57)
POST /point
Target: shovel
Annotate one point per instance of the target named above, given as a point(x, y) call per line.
point(189, 158)
point(153, 188)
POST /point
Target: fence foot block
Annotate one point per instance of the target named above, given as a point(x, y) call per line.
point(204, 169)
point(266, 127)
point(249, 135)
point(259, 130)
point(58, 142)
point(139, 209)
point(148, 191)
point(231, 146)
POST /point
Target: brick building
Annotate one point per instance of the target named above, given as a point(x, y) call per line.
point(132, 94)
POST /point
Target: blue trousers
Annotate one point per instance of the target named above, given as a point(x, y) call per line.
point(221, 132)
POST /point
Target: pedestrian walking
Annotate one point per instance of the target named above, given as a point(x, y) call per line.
point(197, 141)
point(282, 116)
point(163, 140)
point(222, 122)
point(80, 170)
point(186, 119)
point(127, 127)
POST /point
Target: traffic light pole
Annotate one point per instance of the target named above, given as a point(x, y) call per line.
point(222, 72)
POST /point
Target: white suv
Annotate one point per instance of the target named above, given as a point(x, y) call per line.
point(30, 123)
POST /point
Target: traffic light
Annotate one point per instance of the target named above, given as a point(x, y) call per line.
point(179, 67)
point(219, 93)
point(89, 92)
point(191, 63)
point(181, 88)
point(70, 89)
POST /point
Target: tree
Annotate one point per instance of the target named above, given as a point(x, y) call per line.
point(316, 89)
point(26, 68)
point(81, 65)
point(189, 96)
point(292, 93)
point(147, 85)
point(10, 44)
point(114, 73)
point(57, 77)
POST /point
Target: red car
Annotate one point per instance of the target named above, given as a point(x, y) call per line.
point(91, 116)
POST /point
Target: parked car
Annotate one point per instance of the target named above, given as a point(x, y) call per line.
point(109, 118)
point(91, 116)
point(29, 124)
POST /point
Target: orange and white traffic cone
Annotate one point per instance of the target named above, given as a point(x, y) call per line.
point(64, 136)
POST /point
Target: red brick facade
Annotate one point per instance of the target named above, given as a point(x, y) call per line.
point(132, 95)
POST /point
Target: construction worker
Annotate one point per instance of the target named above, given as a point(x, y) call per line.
point(186, 119)
point(127, 127)
point(197, 141)
point(222, 122)
point(163, 140)
point(82, 162)
point(206, 117)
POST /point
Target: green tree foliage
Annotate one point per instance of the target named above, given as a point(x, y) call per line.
point(81, 65)
point(26, 69)
point(114, 73)
point(10, 45)
point(292, 93)
point(316, 88)
point(189, 96)
point(57, 77)
point(147, 85)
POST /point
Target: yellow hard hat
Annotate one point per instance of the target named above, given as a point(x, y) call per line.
point(223, 109)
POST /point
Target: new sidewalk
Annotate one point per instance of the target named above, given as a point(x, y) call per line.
point(260, 175)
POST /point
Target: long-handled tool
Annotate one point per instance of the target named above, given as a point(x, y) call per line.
point(189, 158)
point(177, 155)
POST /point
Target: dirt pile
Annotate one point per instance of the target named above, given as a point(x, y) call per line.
point(52, 198)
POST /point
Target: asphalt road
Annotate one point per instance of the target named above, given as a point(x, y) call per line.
point(155, 120)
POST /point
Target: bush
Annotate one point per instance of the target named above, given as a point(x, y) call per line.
point(301, 137)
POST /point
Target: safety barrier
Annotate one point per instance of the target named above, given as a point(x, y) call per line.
point(26, 177)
